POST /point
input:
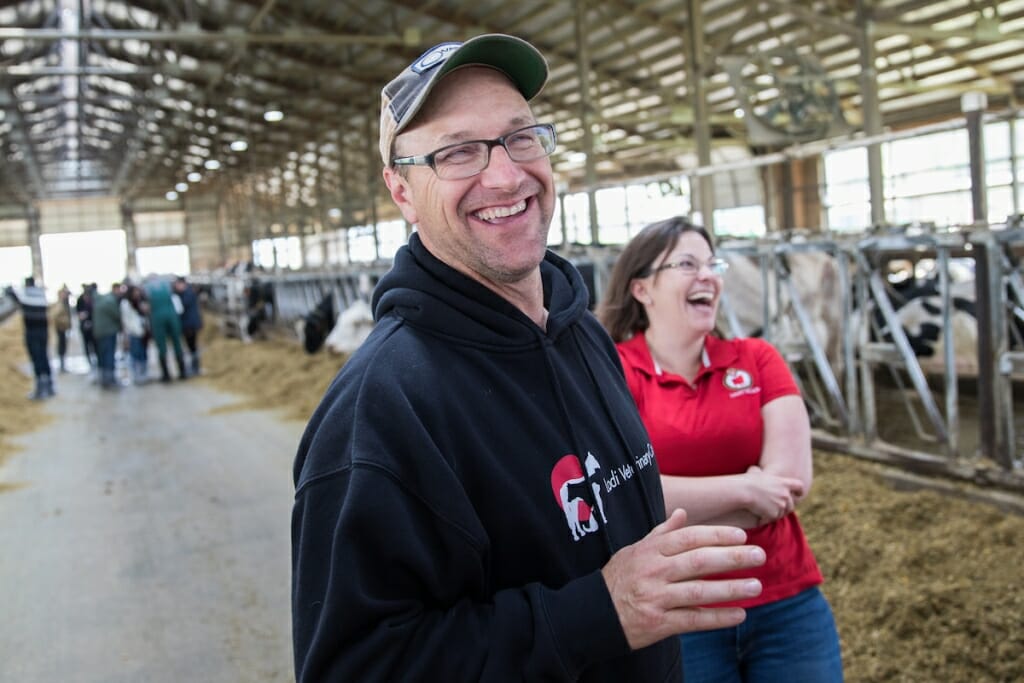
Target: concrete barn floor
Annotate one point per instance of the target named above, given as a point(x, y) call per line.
point(145, 539)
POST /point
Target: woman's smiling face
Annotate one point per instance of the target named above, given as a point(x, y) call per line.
point(678, 299)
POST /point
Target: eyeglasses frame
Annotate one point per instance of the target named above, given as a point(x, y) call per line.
point(428, 159)
point(716, 265)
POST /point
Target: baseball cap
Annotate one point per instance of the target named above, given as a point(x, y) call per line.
point(403, 97)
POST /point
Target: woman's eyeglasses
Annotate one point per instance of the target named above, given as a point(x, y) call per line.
point(690, 266)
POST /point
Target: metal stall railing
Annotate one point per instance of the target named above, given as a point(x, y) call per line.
point(1010, 362)
point(288, 296)
point(787, 322)
point(842, 387)
point(884, 343)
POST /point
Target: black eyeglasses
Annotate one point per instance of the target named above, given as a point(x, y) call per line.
point(466, 159)
point(690, 266)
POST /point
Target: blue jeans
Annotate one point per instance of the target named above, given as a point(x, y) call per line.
point(139, 355)
point(789, 641)
point(106, 350)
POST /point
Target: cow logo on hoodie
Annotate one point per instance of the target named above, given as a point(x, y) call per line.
point(569, 484)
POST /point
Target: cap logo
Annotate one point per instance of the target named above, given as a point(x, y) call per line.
point(434, 56)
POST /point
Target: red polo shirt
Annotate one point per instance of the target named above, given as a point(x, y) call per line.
point(714, 427)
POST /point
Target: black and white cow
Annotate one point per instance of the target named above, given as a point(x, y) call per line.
point(317, 324)
point(352, 328)
point(918, 305)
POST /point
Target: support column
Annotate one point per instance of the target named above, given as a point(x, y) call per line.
point(586, 114)
point(992, 345)
point(1014, 188)
point(563, 190)
point(372, 180)
point(702, 187)
point(987, 280)
point(131, 240)
point(35, 230)
point(973, 105)
point(341, 236)
point(788, 201)
point(872, 112)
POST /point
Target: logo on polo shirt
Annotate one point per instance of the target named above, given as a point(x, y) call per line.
point(736, 379)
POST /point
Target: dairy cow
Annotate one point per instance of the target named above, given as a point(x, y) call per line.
point(352, 328)
point(317, 324)
point(815, 278)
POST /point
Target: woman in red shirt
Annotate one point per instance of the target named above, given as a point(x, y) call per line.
point(732, 439)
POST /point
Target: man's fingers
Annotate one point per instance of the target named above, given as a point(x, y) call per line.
point(708, 560)
point(697, 593)
point(677, 540)
point(677, 520)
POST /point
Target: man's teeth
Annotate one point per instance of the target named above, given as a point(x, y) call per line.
point(501, 211)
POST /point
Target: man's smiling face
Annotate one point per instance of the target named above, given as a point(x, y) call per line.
point(493, 226)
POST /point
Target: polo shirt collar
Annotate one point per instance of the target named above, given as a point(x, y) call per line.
point(717, 354)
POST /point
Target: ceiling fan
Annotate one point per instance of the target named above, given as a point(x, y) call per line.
point(786, 97)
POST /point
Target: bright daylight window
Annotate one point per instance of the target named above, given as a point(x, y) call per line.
point(927, 179)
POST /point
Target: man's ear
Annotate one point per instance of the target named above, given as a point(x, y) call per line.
point(401, 194)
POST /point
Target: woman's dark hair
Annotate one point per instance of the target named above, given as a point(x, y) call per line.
point(619, 312)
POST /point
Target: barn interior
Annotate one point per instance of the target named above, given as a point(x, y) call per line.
point(856, 160)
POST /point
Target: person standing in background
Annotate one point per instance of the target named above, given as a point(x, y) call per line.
point(62, 324)
point(32, 301)
point(191, 319)
point(135, 321)
point(83, 307)
point(106, 319)
point(733, 443)
point(164, 324)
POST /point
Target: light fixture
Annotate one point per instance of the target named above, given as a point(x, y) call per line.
point(194, 177)
point(239, 146)
point(171, 196)
point(273, 115)
point(211, 164)
point(181, 187)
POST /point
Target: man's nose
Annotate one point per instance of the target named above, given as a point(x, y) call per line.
point(502, 171)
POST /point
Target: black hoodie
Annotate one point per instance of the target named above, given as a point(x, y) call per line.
point(460, 487)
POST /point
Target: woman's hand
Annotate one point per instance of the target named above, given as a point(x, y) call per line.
point(771, 497)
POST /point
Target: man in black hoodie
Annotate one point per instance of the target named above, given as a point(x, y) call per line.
point(476, 496)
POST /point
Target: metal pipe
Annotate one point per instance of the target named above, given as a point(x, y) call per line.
point(200, 36)
point(949, 356)
point(705, 189)
point(872, 113)
point(586, 114)
point(973, 105)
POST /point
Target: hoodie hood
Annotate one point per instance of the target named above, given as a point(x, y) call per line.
point(429, 294)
